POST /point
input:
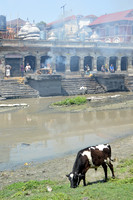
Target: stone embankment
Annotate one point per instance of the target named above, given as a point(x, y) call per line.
point(55, 85)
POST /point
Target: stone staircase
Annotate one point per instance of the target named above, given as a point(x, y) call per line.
point(71, 86)
point(129, 83)
point(12, 88)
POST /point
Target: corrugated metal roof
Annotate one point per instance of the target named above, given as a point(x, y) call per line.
point(119, 16)
point(62, 20)
point(66, 19)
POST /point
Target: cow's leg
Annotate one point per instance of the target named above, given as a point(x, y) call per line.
point(105, 170)
point(112, 169)
point(84, 181)
point(80, 178)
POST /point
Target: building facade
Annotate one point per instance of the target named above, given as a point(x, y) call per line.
point(114, 27)
point(65, 58)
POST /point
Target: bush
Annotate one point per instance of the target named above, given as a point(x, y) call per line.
point(71, 101)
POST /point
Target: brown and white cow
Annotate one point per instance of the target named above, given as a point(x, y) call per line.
point(90, 157)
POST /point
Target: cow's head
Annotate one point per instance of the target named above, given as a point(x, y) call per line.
point(74, 179)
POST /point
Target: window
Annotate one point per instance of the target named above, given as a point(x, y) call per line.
point(102, 32)
point(107, 31)
point(132, 29)
point(116, 30)
point(97, 31)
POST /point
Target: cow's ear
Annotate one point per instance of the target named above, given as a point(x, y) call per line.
point(67, 175)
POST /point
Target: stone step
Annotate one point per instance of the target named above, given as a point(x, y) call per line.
point(129, 83)
point(71, 86)
point(15, 89)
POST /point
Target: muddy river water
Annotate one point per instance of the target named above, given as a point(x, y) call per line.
point(38, 133)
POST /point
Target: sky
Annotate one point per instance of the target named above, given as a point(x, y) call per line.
point(50, 10)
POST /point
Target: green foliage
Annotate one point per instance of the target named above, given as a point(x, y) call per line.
point(41, 25)
point(71, 101)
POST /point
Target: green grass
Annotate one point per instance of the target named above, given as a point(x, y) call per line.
point(114, 189)
point(36, 190)
point(71, 101)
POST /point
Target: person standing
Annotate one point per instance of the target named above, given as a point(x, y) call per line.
point(8, 71)
point(27, 68)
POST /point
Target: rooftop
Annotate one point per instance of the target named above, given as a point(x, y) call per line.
point(119, 16)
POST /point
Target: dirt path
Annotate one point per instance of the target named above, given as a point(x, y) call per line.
point(58, 168)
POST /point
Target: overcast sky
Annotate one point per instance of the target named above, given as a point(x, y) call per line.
point(50, 10)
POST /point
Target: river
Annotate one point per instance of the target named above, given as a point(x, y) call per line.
point(38, 133)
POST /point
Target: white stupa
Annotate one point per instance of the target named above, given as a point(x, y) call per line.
point(52, 36)
point(94, 36)
point(29, 32)
point(83, 35)
point(33, 33)
point(116, 40)
point(24, 30)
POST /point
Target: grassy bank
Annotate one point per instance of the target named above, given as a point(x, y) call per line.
point(71, 101)
point(121, 188)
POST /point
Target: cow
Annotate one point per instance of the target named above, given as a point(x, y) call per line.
point(83, 90)
point(90, 157)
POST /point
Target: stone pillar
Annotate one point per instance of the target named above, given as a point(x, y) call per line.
point(38, 64)
point(94, 63)
point(68, 64)
point(119, 64)
point(23, 59)
point(2, 67)
point(130, 67)
point(53, 64)
point(81, 64)
point(107, 63)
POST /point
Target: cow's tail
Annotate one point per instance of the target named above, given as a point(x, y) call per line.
point(113, 160)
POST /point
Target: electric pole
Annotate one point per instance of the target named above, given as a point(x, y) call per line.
point(63, 9)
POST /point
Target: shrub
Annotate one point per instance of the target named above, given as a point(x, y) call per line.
point(71, 101)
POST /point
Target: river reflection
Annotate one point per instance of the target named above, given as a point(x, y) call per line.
point(37, 133)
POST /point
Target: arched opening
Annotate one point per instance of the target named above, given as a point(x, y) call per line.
point(100, 62)
point(14, 60)
point(45, 61)
point(32, 62)
point(74, 64)
point(88, 60)
point(113, 61)
point(60, 63)
point(124, 63)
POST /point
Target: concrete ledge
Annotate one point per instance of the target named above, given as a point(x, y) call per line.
point(41, 77)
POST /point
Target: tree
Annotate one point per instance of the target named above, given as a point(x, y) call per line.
point(41, 25)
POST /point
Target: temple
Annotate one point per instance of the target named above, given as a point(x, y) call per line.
point(71, 43)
